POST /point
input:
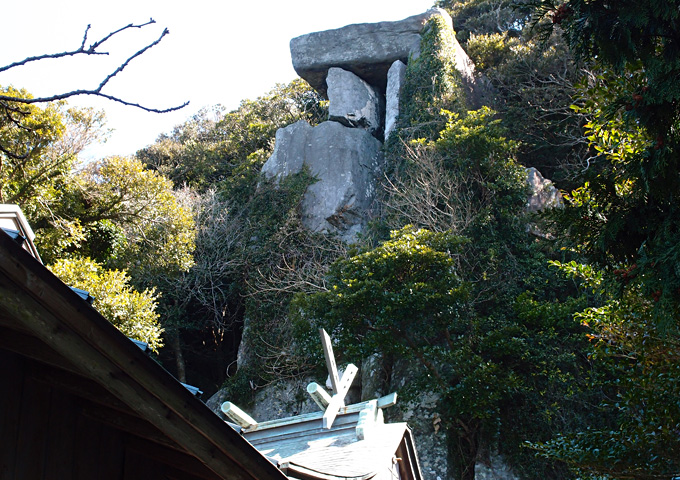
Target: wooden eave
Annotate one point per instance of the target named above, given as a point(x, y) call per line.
point(43, 319)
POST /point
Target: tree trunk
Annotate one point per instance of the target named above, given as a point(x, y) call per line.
point(176, 347)
point(464, 448)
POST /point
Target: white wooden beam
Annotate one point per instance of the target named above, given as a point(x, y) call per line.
point(319, 395)
point(387, 400)
point(368, 418)
point(338, 400)
point(330, 360)
point(237, 415)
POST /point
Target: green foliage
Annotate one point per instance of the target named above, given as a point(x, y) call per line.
point(38, 147)
point(131, 311)
point(641, 441)
point(249, 238)
point(26, 133)
point(533, 86)
point(488, 51)
point(431, 83)
point(623, 220)
point(376, 294)
point(283, 258)
point(485, 17)
point(123, 215)
point(511, 366)
point(622, 34)
point(467, 181)
point(412, 297)
point(624, 212)
point(214, 146)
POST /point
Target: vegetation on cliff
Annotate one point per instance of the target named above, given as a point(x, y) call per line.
point(554, 345)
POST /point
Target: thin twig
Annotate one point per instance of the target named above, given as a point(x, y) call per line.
point(92, 50)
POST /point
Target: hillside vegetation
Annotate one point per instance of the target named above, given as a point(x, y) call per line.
point(551, 339)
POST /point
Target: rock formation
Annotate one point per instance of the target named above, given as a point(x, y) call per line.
point(353, 102)
point(395, 79)
point(543, 192)
point(346, 163)
point(367, 49)
point(359, 68)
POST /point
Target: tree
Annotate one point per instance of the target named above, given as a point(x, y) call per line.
point(26, 133)
point(129, 310)
point(485, 17)
point(410, 298)
point(640, 441)
point(530, 87)
point(122, 215)
point(623, 220)
point(202, 306)
point(38, 145)
point(38, 149)
point(251, 251)
point(625, 209)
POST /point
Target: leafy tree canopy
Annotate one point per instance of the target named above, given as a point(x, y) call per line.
point(410, 298)
point(131, 311)
point(626, 209)
point(623, 219)
point(38, 145)
point(121, 214)
point(213, 146)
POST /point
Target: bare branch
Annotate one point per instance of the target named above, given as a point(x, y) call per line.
point(100, 42)
point(92, 50)
point(127, 62)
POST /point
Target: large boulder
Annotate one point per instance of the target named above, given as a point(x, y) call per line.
point(366, 49)
point(346, 162)
point(289, 150)
point(395, 79)
point(543, 193)
point(353, 102)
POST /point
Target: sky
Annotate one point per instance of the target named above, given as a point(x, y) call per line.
point(217, 52)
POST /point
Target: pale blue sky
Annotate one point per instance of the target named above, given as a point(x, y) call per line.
point(217, 52)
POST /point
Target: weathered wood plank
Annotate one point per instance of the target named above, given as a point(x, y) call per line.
point(61, 434)
point(76, 385)
point(191, 467)
point(32, 439)
point(128, 423)
point(87, 448)
point(30, 347)
point(112, 457)
point(11, 373)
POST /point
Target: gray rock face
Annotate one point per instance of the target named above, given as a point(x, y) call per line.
point(395, 79)
point(543, 193)
point(346, 162)
point(423, 416)
point(366, 49)
point(353, 102)
point(494, 468)
point(289, 147)
point(277, 400)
